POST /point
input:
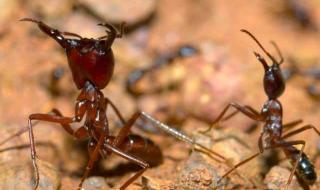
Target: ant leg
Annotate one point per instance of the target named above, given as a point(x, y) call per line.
point(93, 158)
point(301, 129)
point(116, 110)
point(297, 161)
point(131, 158)
point(123, 133)
point(80, 133)
point(42, 117)
point(181, 136)
point(278, 145)
point(17, 134)
point(118, 113)
point(125, 130)
point(237, 111)
point(53, 111)
point(284, 144)
point(240, 164)
point(291, 124)
point(63, 121)
point(246, 110)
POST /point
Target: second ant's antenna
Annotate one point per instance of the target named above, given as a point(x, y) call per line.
point(278, 50)
point(256, 40)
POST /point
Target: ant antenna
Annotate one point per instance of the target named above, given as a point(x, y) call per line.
point(279, 52)
point(256, 40)
point(30, 20)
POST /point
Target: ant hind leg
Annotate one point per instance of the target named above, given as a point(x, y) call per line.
point(291, 124)
point(301, 129)
point(132, 159)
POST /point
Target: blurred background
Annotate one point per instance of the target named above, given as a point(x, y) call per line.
point(216, 66)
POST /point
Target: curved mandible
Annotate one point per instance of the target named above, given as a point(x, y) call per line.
point(112, 32)
point(54, 33)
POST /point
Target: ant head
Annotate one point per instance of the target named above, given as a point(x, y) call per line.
point(89, 59)
point(273, 81)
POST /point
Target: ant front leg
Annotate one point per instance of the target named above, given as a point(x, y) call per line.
point(237, 111)
point(246, 110)
point(63, 121)
point(77, 134)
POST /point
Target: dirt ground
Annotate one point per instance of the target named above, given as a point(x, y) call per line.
point(187, 94)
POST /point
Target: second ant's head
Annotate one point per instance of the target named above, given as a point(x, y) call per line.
point(273, 81)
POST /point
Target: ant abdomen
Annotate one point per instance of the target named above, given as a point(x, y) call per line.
point(141, 147)
point(305, 170)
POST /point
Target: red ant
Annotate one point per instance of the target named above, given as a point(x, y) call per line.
point(271, 113)
point(91, 62)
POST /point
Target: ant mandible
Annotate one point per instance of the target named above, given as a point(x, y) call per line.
point(271, 114)
point(91, 62)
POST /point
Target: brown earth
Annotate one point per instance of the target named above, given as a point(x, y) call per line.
point(225, 70)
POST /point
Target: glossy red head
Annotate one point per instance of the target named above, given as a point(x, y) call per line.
point(89, 59)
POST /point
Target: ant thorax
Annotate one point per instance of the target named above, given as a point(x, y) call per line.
point(272, 110)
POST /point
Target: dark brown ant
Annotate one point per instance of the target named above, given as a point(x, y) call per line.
point(271, 114)
point(161, 60)
point(91, 62)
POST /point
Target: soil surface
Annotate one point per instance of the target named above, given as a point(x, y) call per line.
point(187, 94)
